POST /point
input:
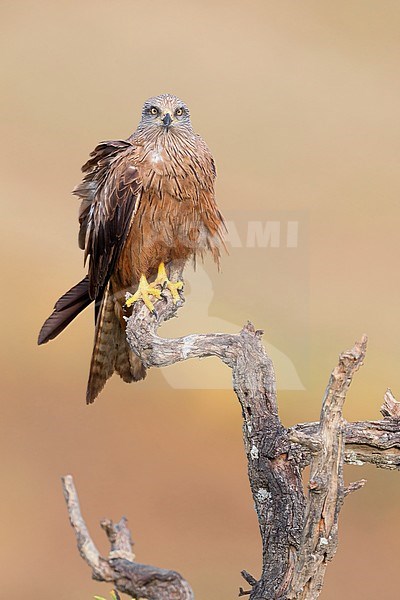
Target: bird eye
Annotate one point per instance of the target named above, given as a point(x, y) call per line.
point(154, 110)
point(179, 112)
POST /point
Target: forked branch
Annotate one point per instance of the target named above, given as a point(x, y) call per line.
point(299, 534)
point(120, 568)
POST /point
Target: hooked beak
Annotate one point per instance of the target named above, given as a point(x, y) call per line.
point(166, 120)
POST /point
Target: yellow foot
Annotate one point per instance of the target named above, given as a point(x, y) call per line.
point(144, 291)
point(162, 279)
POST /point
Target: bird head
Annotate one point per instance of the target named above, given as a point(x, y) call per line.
point(165, 112)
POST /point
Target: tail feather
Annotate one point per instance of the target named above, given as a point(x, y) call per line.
point(111, 351)
point(65, 311)
point(128, 366)
point(105, 348)
point(137, 367)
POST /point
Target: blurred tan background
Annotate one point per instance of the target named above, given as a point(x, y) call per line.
point(299, 102)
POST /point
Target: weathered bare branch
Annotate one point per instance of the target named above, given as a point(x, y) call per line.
point(135, 579)
point(310, 441)
point(299, 535)
point(353, 487)
point(390, 407)
point(275, 480)
point(119, 537)
point(87, 549)
point(319, 536)
point(373, 442)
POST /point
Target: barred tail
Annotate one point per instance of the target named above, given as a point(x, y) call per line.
point(111, 351)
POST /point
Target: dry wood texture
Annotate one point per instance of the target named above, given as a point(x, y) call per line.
point(299, 534)
point(120, 568)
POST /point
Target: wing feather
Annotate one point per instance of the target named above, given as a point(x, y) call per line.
point(110, 194)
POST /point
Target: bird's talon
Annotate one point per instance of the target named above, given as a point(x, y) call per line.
point(165, 283)
point(144, 291)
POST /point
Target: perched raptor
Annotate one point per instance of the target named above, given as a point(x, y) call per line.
point(145, 203)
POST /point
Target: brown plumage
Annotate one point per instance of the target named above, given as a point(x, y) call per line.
point(144, 201)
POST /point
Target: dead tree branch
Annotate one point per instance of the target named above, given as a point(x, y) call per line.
point(320, 533)
point(373, 442)
point(299, 534)
point(120, 568)
point(275, 480)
